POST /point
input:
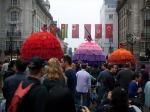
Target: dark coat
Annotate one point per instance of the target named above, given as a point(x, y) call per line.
point(34, 100)
point(10, 85)
point(71, 80)
point(124, 77)
point(59, 99)
point(8, 73)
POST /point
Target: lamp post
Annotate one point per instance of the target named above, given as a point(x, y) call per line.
point(147, 8)
point(10, 44)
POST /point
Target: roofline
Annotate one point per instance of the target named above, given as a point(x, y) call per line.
point(43, 8)
point(121, 3)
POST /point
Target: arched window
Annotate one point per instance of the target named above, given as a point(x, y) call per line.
point(14, 16)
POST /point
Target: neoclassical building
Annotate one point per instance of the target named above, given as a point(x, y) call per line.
point(19, 18)
point(108, 15)
point(134, 25)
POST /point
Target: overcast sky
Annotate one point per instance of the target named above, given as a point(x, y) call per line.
point(76, 12)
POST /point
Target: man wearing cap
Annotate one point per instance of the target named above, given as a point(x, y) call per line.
point(34, 100)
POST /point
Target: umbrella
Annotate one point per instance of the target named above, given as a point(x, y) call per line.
point(121, 56)
point(41, 44)
point(89, 52)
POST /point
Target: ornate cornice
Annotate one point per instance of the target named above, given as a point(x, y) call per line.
point(120, 4)
point(43, 8)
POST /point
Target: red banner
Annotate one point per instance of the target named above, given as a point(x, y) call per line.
point(109, 30)
point(98, 31)
point(87, 30)
point(75, 31)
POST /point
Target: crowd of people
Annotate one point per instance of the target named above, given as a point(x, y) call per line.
point(60, 85)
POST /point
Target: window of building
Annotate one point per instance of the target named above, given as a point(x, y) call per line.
point(110, 16)
point(142, 46)
point(14, 2)
point(14, 45)
point(14, 16)
point(147, 16)
point(12, 27)
point(7, 45)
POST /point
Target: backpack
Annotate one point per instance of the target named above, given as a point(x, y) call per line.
point(19, 94)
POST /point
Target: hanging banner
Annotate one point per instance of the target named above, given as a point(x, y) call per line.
point(87, 31)
point(109, 30)
point(98, 31)
point(64, 31)
point(75, 31)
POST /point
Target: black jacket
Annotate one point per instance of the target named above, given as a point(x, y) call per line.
point(59, 99)
point(71, 80)
point(8, 73)
point(34, 100)
point(124, 77)
point(10, 85)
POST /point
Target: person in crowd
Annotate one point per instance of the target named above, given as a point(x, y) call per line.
point(134, 88)
point(118, 102)
point(10, 71)
point(107, 81)
point(95, 71)
point(104, 66)
point(145, 75)
point(147, 95)
point(1, 78)
point(5, 66)
point(104, 71)
point(125, 76)
point(11, 83)
point(1, 64)
point(78, 65)
point(35, 99)
point(83, 85)
point(59, 97)
point(70, 74)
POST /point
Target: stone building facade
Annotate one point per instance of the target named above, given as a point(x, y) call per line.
point(133, 25)
point(19, 18)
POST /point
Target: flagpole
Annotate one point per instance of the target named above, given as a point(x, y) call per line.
point(90, 38)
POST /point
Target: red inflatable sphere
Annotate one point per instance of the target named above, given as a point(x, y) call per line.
point(41, 44)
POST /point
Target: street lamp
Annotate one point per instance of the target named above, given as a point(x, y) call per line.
point(10, 50)
point(10, 47)
point(147, 8)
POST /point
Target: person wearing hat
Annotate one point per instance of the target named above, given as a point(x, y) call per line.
point(34, 100)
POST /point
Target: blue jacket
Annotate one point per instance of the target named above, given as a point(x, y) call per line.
point(10, 85)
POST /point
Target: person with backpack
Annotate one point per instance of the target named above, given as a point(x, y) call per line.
point(60, 98)
point(31, 93)
point(11, 83)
